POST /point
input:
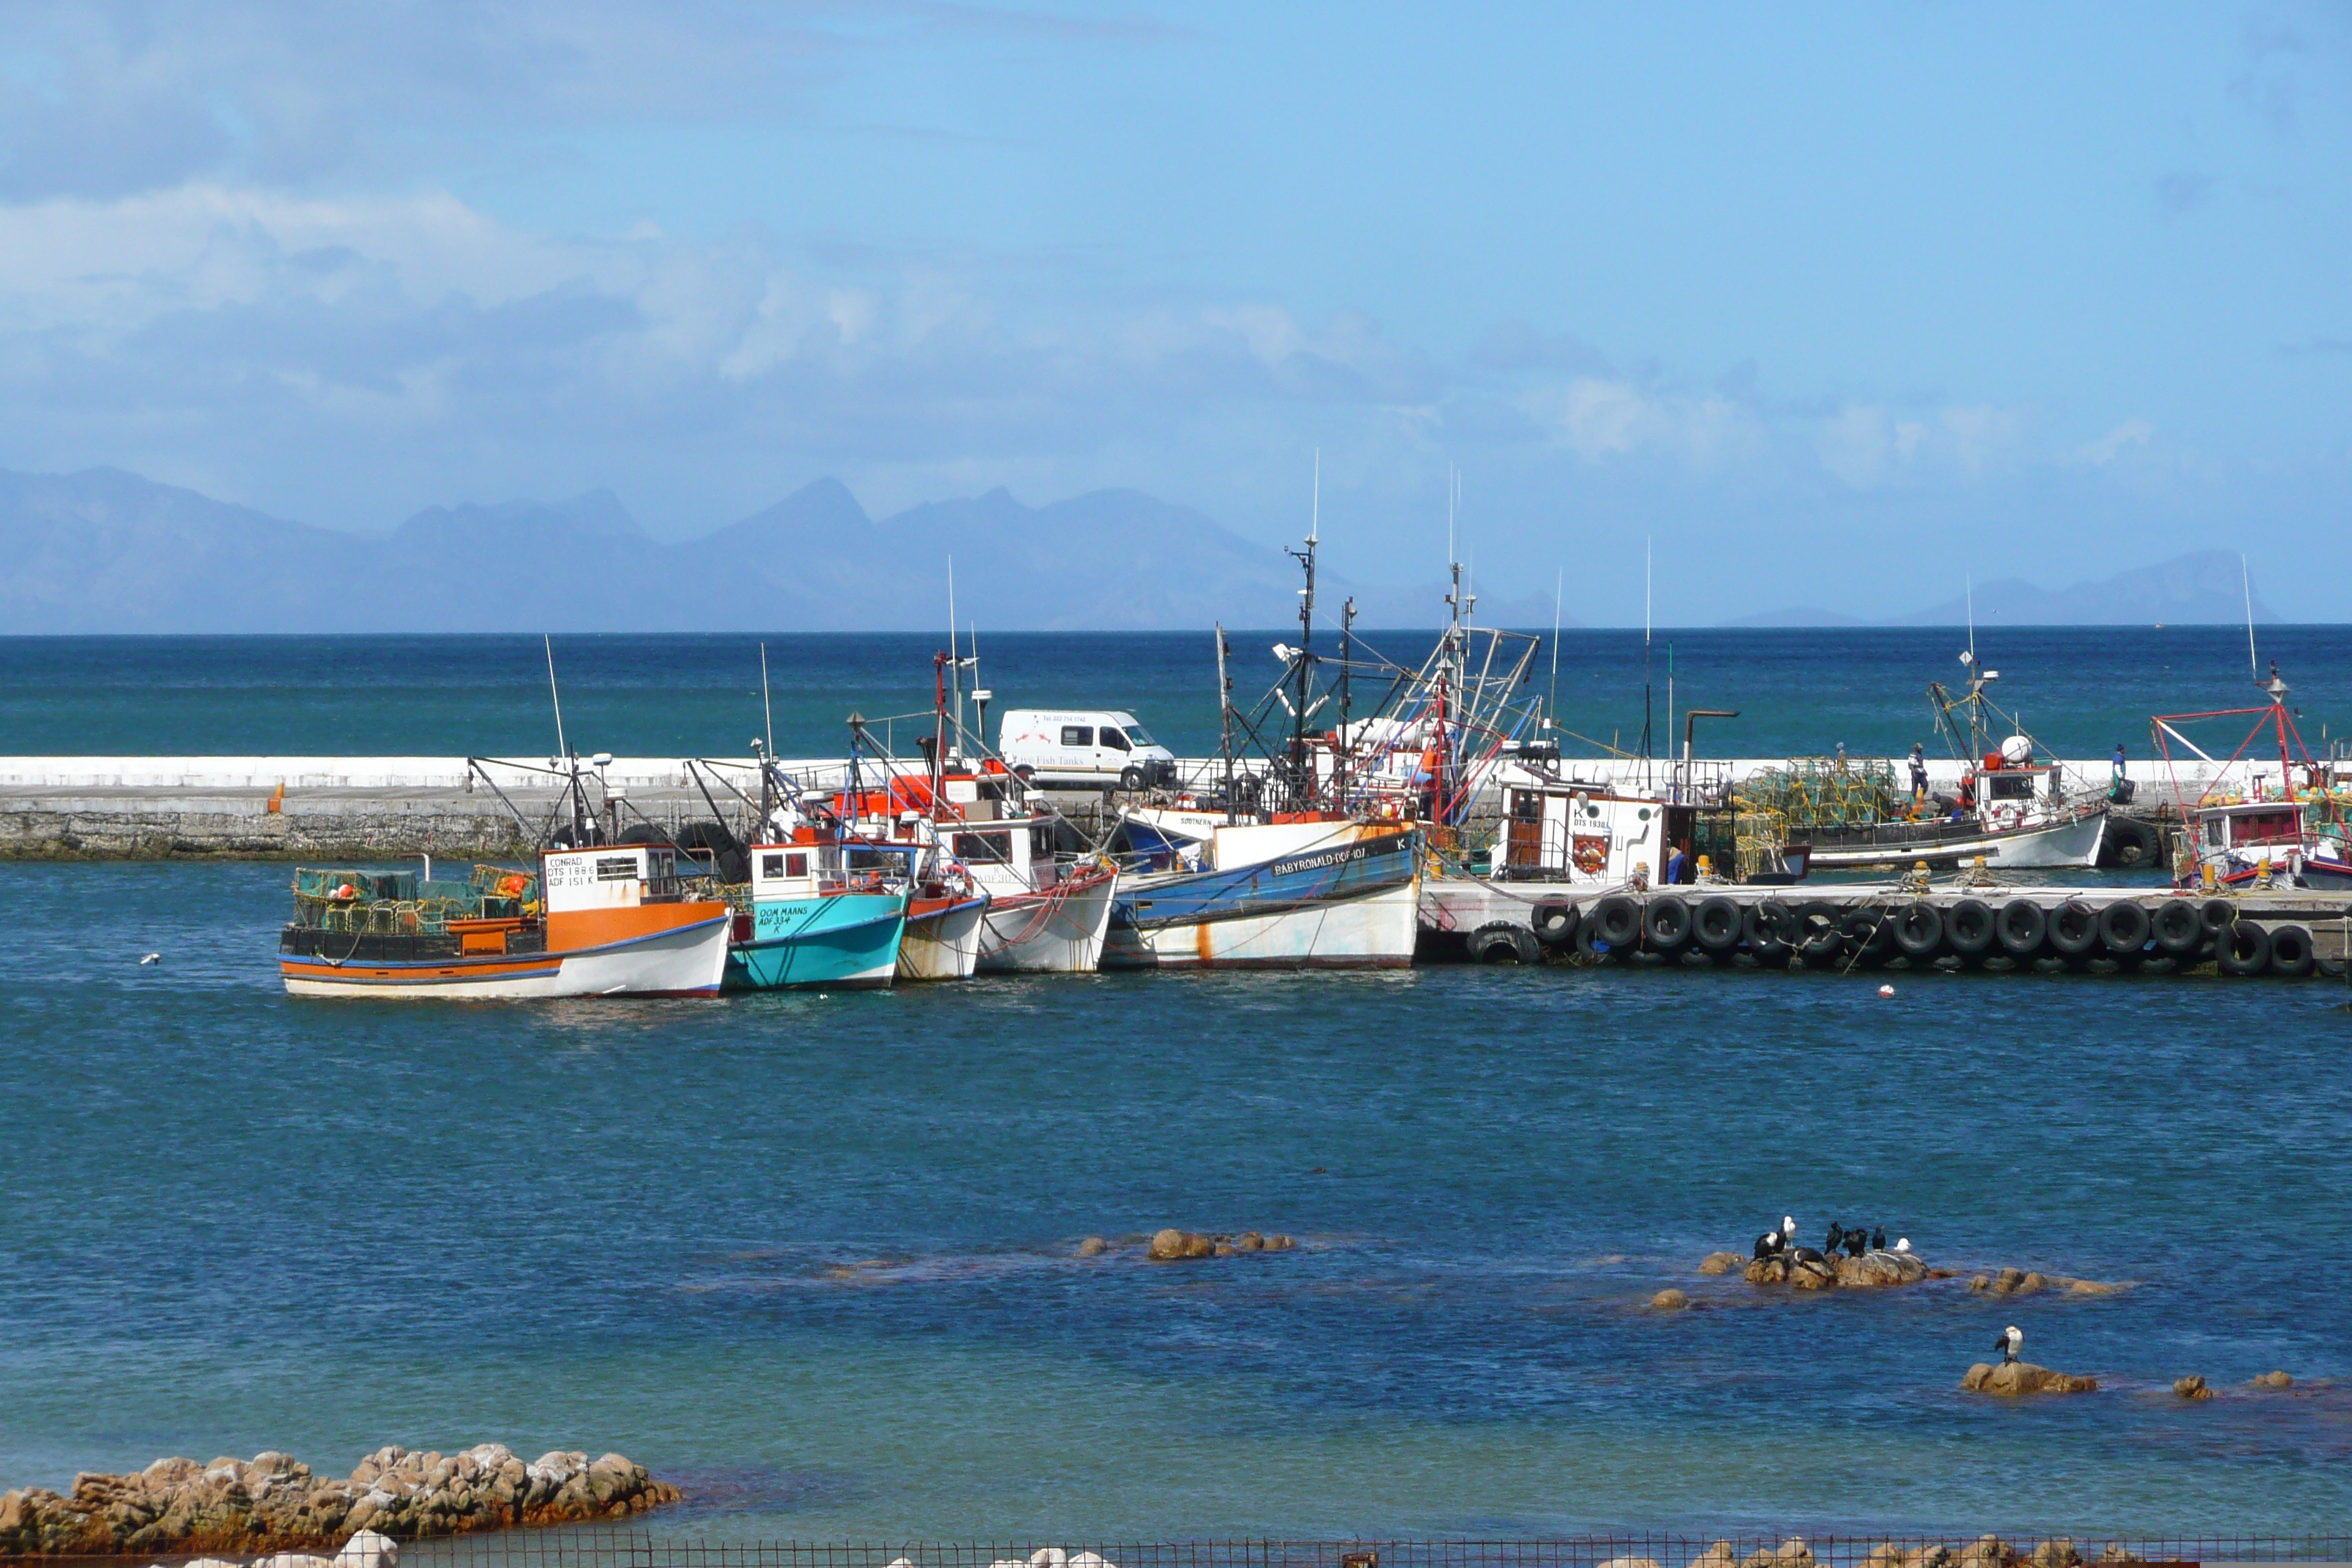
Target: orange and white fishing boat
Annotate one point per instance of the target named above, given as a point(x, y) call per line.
point(609, 920)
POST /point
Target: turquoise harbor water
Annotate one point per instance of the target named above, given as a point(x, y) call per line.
point(1799, 692)
point(814, 1258)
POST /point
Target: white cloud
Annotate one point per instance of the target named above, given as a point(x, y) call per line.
point(1597, 418)
point(2107, 447)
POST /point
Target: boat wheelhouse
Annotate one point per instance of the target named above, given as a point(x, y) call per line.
point(813, 922)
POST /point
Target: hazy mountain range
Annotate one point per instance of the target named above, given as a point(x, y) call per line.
point(107, 550)
point(2201, 588)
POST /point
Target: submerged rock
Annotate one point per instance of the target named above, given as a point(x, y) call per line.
point(2019, 1377)
point(2029, 1282)
point(1093, 1246)
point(1722, 1263)
point(1172, 1245)
point(1669, 1300)
point(273, 1504)
point(2274, 1380)
point(2191, 1387)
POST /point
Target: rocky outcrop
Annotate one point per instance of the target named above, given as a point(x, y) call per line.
point(1817, 1272)
point(2031, 1282)
point(2019, 1377)
point(273, 1504)
point(1669, 1300)
point(2191, 1387)
point(2274, 1380)
point(1873, 1271)
point(1722, 1263)
point(1173, 1246)
point(1093, 1246)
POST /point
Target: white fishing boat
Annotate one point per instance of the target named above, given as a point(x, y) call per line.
point(1329, 893)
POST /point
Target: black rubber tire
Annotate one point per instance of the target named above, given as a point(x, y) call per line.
point(1665, 923)
point(726, 851)
point(2123, 928)
point(2219, 915)
point(1768, 927)
point(1715, 925)
point(2244, 949)
point(1821, 938)
point(2073, 929)
point(1130, 778)
point(1615, 922)
point(1554, 922)
point(1968, 928)
point(1918, 930)
point(2021, 928)
point(2291, 952)
point(2177, 927)
point(1501, 942)
point(2135, 844)
point(644, 833)
point(1869, 935)
point(1589, 948)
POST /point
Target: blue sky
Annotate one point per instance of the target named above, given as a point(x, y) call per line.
point(1835, 303)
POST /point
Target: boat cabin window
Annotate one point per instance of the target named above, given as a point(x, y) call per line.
point(2265, 828)
point(1077, 734)
point(1114, 740)
point(989, 849)
point(616, 868)
point(2010, 786)
point(1526, 807)
point(2213, 831)
point(783, 863)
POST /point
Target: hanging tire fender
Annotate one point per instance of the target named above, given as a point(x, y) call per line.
point(2123, 928)
point(2021, 928)
point(2244, 949)
point(1968, 928)
point(1716, 924)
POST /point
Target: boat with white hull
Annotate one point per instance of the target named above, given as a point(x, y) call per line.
point(1282, 895)
point(2072, 840)
point(614, 921)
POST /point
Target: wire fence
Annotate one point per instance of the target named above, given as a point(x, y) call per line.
point(606, 1548)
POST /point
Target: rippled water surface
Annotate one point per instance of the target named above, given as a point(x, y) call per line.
point(1798, 691)
point(815, 1257)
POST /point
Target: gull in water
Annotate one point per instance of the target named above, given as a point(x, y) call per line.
point(2012, 1340)
point(151, 958)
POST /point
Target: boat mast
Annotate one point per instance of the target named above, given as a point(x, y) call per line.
point(1339, 753)
point(1302, 765)
point(1226, 721)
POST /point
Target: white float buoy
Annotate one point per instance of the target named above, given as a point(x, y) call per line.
point(1886, 991)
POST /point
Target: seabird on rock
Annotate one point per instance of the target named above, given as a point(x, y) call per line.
point(1878, 1239)
point(1767, 1244)
point(1902, 1243)
point(1837, 1235)
point(1856, 1244)
point(1787, 1230)
point(2012, 1340)
point(1807, 1255)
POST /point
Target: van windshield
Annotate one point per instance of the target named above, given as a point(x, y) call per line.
point(1137, 733)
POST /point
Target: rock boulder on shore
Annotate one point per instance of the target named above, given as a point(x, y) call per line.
point(2018, 1377)
point(273, 1504)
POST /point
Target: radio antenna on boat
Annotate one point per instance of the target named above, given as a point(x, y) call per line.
point(554, 695)
point(1552, 703)
point(2246, 581)
point(1645, 654)
point(955, 671)
point(767, 708)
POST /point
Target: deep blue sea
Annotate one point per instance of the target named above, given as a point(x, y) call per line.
point(1797, 692)
point(814, 1258)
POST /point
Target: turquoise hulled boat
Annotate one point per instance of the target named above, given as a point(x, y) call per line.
point(814, 924)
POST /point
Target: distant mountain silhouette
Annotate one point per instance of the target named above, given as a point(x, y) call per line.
point(106, 550)
point(2201, 588)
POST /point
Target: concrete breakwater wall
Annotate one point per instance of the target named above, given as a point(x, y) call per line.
point(273, 1504)
point(375, 808)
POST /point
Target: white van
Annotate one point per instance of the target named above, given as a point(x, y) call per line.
point(1094, 747)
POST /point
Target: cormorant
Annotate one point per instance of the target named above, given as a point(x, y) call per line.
point(1878, 1239)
